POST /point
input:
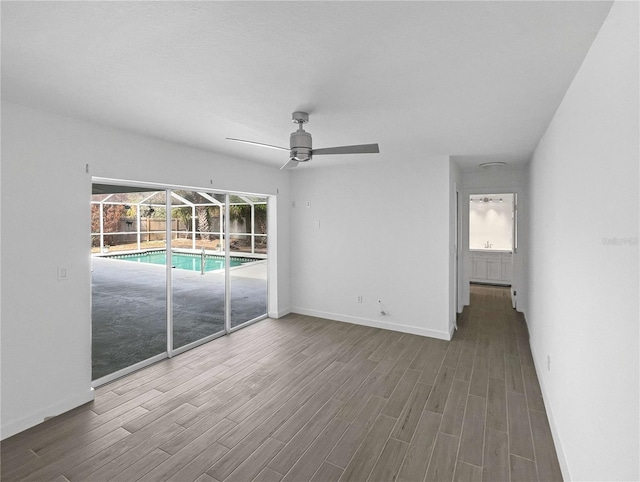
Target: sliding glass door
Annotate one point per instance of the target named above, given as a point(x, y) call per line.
point(198, 271)
point(128, 290)
point(171, 269)
point(248, 250)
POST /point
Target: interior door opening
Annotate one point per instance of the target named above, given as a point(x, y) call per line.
point(492, 238)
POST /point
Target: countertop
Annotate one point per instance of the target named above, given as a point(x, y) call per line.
point(490, 250)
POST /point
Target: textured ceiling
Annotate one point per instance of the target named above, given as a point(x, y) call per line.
point(476, 80)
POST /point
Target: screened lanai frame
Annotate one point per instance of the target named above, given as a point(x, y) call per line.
point(227, 199)
point(135, 201)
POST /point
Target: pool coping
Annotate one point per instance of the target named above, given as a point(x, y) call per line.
point(256, 258)
point(212, 252)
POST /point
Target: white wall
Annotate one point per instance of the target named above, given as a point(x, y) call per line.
point(583, 302)
point(505, 180)
point(46, 344)
point(492, 223)
point(374, 229)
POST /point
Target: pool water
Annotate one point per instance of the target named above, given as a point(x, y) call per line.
point(191, 262)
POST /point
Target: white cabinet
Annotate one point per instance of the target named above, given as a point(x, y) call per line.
point(479, 268)
point(491, 266)
point(494, 270)
point(507, 270)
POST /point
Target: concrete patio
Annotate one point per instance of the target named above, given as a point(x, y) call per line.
point(129, 308)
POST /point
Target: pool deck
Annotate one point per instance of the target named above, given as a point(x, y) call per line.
point(129, 308)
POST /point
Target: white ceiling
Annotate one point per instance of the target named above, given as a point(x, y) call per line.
point(476, 80)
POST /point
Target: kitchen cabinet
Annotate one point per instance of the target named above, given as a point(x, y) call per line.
point(490, 266)
point(479, 268)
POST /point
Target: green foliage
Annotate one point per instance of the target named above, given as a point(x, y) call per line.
point(242, 215)
point(112, 214)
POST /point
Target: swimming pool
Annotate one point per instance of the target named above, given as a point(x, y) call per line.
point(188, 261)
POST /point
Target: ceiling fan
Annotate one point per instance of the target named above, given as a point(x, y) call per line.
point(300, 149)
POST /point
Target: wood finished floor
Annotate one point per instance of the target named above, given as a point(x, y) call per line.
point(301, 399)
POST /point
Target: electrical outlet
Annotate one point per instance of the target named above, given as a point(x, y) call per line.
point(549, 363)
point(63, 273)
point(359, 298)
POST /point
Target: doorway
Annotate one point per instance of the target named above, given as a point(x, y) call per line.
point(492, 237)
point(171, 269)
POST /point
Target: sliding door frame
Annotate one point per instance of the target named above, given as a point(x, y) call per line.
point(225, 230)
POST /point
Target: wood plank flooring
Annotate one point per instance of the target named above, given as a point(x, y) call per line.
point(302, 398)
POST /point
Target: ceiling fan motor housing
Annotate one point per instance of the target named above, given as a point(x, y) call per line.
point(300, 143)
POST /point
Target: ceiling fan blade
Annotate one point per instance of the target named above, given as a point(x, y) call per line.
point(360, 149)
point(258, 144)
point(290, 163)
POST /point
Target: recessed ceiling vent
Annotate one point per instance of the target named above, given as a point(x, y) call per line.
point(492, 165)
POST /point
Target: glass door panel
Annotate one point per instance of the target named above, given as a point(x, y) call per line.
point(197, 259)
point(128, 286)
point(248, 258)
point(133, 322)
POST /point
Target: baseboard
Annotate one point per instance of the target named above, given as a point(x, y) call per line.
point(279, 313)
point(385, 325)
point(452, 329)
point(13, 427)
point(557, 441)
point(489, 283)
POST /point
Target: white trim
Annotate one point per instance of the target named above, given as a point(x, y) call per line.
point(279, 314)
point(227, 264)
point(168, 241)
point(548, 410)
point(518, 271)
point(413, 330)
point(16, 426)
point(272, 256)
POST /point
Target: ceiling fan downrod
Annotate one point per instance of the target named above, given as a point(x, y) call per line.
point(300, 140)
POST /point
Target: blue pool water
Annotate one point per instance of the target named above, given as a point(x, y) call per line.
point(186, 261)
